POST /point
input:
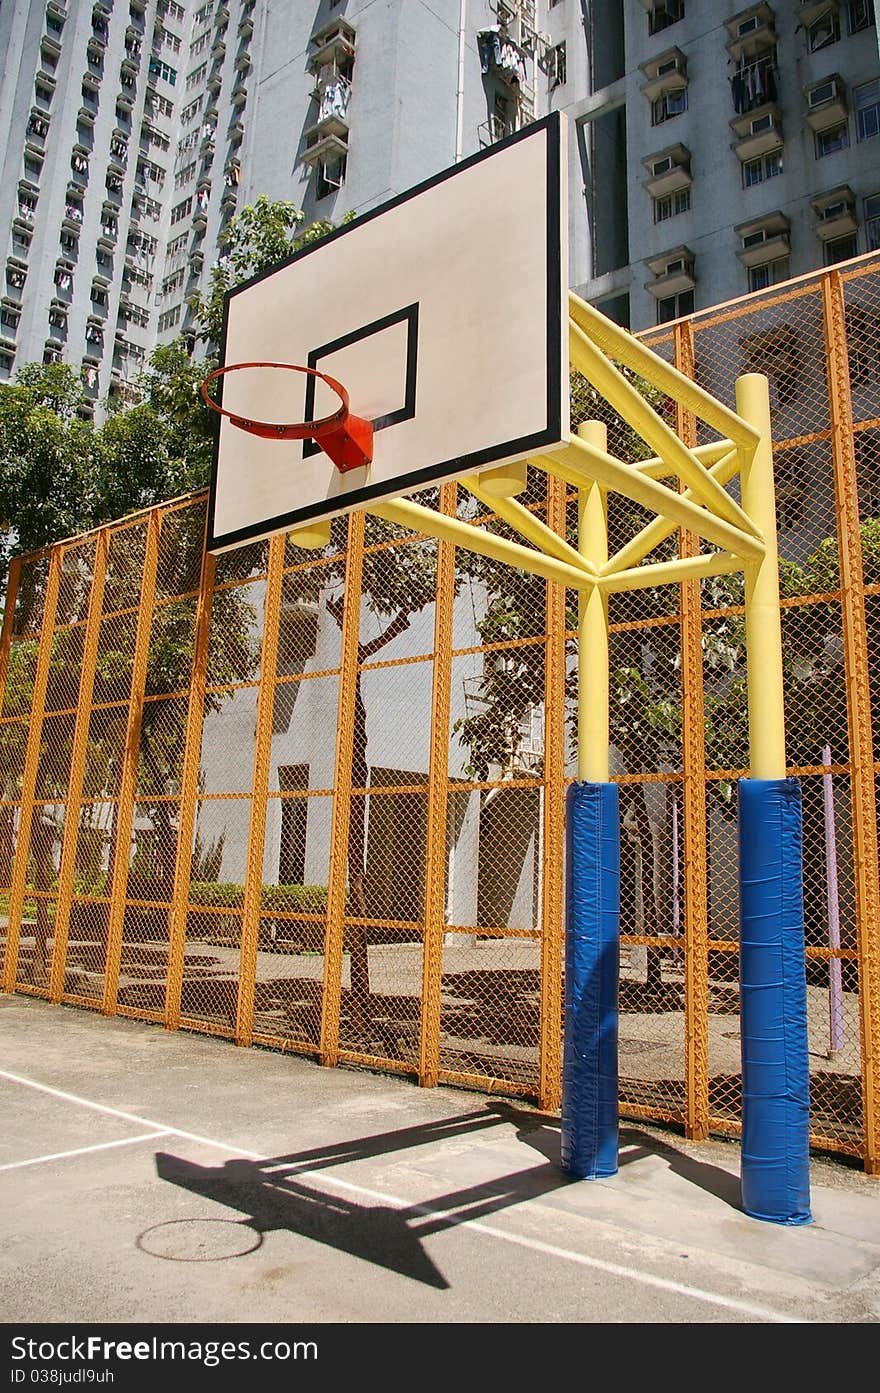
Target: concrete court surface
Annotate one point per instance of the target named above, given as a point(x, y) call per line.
point(156, 1177)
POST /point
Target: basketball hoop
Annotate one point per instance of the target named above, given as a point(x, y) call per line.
point(346, 438)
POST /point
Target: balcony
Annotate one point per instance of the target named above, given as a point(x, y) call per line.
point(826, 102)
point(763, 239)
point(758, 132)
point(327, 140)
point(668, 171)
point(665, 73)
point(673, 272)
point(333, 43)
point(835, 213)
point(752, 32)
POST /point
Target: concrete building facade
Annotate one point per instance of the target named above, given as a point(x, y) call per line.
point(713, 149)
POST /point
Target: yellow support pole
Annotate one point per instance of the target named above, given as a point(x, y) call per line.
point(580, 461)
point(763, 631)
point(593, 677)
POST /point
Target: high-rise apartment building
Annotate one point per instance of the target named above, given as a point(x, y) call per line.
point(713, 150)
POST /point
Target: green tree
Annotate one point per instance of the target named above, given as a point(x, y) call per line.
point(260, 236)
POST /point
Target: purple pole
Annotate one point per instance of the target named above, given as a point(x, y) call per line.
point(835, 973)
point(676, 876)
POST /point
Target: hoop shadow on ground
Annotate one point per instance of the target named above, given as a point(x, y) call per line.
point(284, 1192)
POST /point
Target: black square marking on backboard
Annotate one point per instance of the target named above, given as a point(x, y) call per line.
point(407, 409)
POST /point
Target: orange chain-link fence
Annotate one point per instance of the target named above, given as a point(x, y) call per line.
point(314, 800)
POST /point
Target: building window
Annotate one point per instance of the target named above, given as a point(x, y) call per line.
point(769, 273)
point(832, 139)
point(331, 176)
point(668, 12)
point(764, 167)
point(872, 223)
point(866, 102)
point(824, 31)
point(841, 249)
point(674, 306)
point(181, 210)
point(672, 204)
point(667, 105)
point(159, 68)
point(860, 15)
point(196, 77)
point(557, 65)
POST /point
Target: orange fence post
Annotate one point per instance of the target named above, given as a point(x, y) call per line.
point(195, 716)
point(858, 695)
point(693, 797)
point(77, 765)
point(128, 777)
point(29, 773)
point(253, 885)
point(553, 796)
point(337, 872)
point(438, 793)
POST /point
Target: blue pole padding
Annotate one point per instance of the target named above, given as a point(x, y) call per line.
point(592, 966)
point(775, 1179)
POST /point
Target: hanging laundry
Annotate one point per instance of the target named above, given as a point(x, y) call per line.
point(334, 100)
point(489, 47)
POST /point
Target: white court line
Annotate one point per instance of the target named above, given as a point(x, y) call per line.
point(535, 1245)
point(82, 1150)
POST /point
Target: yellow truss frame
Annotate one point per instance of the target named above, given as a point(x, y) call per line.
point(684, 486)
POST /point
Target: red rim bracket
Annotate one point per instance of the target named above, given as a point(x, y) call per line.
point(346, 438)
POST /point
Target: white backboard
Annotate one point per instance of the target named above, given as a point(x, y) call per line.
point(442, 312)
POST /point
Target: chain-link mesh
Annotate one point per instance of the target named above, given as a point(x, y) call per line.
point(313, 799)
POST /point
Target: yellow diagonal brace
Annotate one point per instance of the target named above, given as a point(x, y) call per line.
point(719, 563)
point(639, 413)
point(579, 461)
point(421, 519)
point(649, 365)
point(530, 527)
point(658, 529)
point(658, 468)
